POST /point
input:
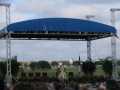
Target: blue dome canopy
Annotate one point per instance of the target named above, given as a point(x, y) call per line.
point(59, 28)
point(60, 25)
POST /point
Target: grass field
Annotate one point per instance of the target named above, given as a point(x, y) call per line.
point(75, 70)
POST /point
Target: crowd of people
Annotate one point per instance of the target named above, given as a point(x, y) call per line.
point(60, 85)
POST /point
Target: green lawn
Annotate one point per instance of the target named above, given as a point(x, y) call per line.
point(75, 70)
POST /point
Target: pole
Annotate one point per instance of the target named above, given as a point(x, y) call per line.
point(79, 64)
point(8, 49)
point(89, 50)
point(113, 48)
point(89, 56)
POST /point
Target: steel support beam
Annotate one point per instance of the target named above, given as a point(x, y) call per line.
point(114, 59)
point(89, 50)
point(89, 17)
point(8, 49)
point(113, 48)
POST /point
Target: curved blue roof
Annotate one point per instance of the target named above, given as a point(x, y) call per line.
point(60, 25)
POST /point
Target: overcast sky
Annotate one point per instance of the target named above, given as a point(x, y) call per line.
point(60, 50)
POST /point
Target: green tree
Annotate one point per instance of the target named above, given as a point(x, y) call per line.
point(76, 63)
point(107, 67)
point(54, 63)
point(34, 65)
point(2, 69)
point(40, 65)
point(99, 62)
point(88, 68)
point(14, 68)
point(44, 65)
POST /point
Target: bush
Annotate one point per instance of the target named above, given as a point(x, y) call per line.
point(88, 67)
point(40, 65)
point(2, 85)
point(107, 67)
point(22, 86)
point(112, 85)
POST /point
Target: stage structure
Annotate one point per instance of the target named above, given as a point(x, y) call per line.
point(59, 29)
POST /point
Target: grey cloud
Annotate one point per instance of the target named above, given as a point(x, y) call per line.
point(56, 50)
point(94, 1)
point(64, 8)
